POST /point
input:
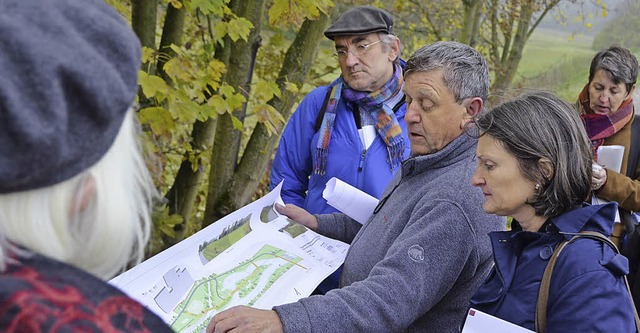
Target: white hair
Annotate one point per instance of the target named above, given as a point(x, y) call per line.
point(102, 236)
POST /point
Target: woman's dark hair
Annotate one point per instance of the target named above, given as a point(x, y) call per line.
point(538, 125)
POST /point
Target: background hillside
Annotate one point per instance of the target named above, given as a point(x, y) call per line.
point(558, 53)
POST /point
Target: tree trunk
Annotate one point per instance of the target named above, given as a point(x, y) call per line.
point(477, 18)
point(171, 34)
point(510, 64)
point(471, 21)
point(182, 195)
point(295, 69)
point(226, 146)
point(143, 21)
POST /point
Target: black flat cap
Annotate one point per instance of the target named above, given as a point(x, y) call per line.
point(69, 75)
point(361, 21)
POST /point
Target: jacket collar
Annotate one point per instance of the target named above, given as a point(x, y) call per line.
point(461, 148)
point(588, 218)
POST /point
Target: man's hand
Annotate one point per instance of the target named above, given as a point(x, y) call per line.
point(245, 319)
point(299, 215)
point(599, 176)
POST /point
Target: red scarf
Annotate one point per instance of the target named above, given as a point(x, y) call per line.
point(602, 126)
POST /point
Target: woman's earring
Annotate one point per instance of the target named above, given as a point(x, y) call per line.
point(538, 186)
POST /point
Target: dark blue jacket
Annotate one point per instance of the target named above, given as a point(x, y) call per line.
point(587, 292)
point(346, 160)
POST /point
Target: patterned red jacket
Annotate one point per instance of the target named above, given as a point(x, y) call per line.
point(39, 294)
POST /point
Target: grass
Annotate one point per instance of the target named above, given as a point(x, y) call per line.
point(556, 62)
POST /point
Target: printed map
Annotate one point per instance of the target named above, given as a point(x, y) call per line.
point(252, 257)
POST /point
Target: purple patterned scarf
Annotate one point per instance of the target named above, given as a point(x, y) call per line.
point(386, 121)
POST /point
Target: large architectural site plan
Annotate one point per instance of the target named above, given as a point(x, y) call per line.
point(253, 256)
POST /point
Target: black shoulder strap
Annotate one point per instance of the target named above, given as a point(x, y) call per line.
point(322, 110)
point(634, 148)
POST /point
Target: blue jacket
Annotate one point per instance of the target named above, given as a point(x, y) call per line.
point(347, 160)
point(587, 292)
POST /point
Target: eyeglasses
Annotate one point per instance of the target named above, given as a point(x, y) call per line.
point(358, 51)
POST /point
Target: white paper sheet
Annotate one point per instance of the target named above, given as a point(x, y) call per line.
point(367, 135)
point(609, 157)
point(356, 204)
point(480, 322)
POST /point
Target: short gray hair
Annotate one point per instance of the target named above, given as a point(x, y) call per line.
point(619, 62)
point(466, 73)
point(536, 125)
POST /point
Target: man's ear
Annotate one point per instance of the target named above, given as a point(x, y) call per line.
point(394, 50)
point(472, 106)
point(83, 196)
point(547, 167)
point(633, 88)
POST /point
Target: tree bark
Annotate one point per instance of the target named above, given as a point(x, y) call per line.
point(143, 21)
point(471, 21)
point(171, 34)
point(295, 68)
point(512, 59)
point(182, 195)
point(226, 145)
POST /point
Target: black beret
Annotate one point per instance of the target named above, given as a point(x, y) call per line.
point(68, 76)
point(360, 21)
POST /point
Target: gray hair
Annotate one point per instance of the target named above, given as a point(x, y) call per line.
point(387, 41)
point(619, 62)
point(466, 73)
point(537, 125)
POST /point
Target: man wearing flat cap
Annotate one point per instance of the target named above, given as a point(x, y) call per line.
point(415, 264)
point(354, 128)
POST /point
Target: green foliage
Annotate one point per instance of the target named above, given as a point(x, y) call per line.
point(124, 8)
point(226, 101)
point(163, 225)
point(209, 7)
point(295, 11)
point(236, 29)
point(153, 86)
point(158, 118)
point(175, 3)
point(419, 23)
point(192, 85)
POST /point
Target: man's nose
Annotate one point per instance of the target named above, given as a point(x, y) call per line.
point(411, 116)
point(351, 59)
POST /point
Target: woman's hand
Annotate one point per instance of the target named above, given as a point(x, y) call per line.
point(299, 215)
point(599, 176)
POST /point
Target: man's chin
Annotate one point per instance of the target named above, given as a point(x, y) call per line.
point(358, 85)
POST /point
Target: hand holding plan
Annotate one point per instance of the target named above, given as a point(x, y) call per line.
point(299, 215)
point(245, 319)
point(599, 176)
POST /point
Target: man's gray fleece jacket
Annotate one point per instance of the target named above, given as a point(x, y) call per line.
point(417, 261)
